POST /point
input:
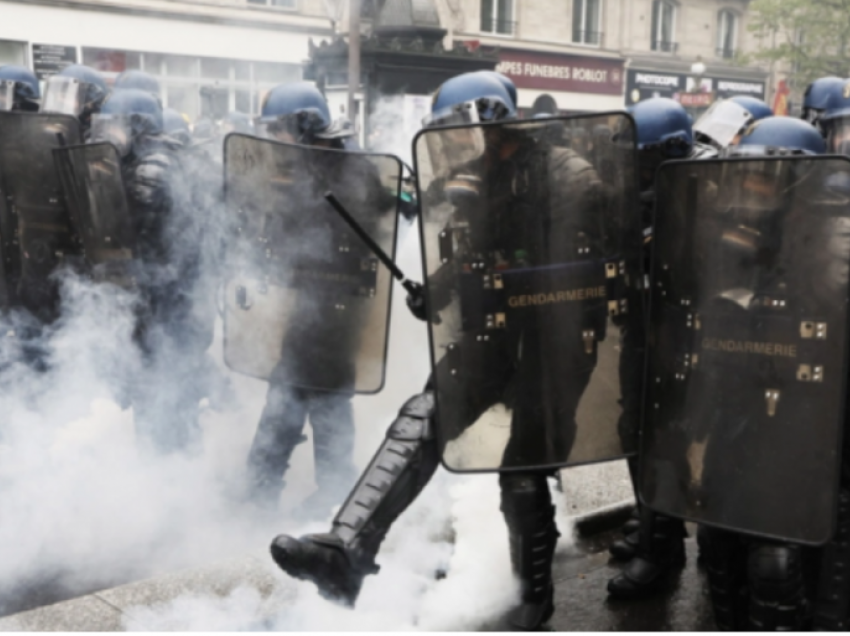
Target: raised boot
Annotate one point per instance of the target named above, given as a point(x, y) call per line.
point(338, 561)
point(530, 517)
point(661, 551)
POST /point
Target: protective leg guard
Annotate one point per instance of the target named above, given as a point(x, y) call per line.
point(777, 587)
point(530, 517)
point(626, 548)
point(338, 561)
point(832, 607)
point(725, 562)
point(661, 550)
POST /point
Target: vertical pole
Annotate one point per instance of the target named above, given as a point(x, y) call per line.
point(353, 58)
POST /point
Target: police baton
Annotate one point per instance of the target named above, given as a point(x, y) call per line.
point(413, 288)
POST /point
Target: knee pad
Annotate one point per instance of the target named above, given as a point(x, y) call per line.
point(775, 570)
point(778, 600)
point(414, 419)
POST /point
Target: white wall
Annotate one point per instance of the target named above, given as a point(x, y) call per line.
point(74, 27)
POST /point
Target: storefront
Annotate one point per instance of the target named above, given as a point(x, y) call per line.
point(694, 93)
point(206, 65)
point(575, 83)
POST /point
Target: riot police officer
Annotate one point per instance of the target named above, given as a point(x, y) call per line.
point(816, 98)
point(138, 80)
point(164, 393)
point(19, 89)
point(76, 90)
point(723, 123)
point(834, 119)
point(828, 104)
point(755, 583)
point(236, 121)
point(175, 126)
point(34, 221)
point(339, 560)
point(654, 547)
point(298, 113)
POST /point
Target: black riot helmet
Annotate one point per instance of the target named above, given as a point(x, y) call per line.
point(470, 98)
point(237, 122)
point(76, 90)
point(127, 117)
point(174, 125)
point(138, 80)
point(298, 113)
point(19, 88)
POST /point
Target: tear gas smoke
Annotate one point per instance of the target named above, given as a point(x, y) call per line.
point(85, 505)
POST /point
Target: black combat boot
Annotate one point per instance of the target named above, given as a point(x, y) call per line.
point(832, 605)
point(778, 599)
point(530, 517)
point(633, 524)
point(661, 550)
point(725, 556)
point(339, 561)
point(626, 548)
point(337, 570)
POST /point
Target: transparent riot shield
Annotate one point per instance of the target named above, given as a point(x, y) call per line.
point(747, 355)
point(34, 224)
point(97, 199)
point(532, 254)
point(305, 301)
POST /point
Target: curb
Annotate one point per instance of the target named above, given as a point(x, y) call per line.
point(605, 519)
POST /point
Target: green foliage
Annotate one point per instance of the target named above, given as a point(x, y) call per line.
point(813, 36)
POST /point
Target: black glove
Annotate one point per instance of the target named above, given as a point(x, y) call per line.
point(416, 300)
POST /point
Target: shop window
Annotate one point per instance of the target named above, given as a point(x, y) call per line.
point(111, 61)
point(276, 73)
point(727, 32)
point(286, 4)
point(181, 66)
point(663, 26)
point(587, 22)
point(183, 99)
point(13, 53)
point(200, 86)
point(497, 16)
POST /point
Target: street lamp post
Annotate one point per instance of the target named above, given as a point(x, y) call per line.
point(353, 59)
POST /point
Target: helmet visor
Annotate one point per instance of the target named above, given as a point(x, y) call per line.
point(7, 95)
point(299, 127)
point(838, 135)
point(113, 129)
point(476, 111)
point(65, 95)
point(722, 122)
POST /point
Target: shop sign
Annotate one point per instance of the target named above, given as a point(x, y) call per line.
point(568, 73)
point(642, 85)
point(49, 59)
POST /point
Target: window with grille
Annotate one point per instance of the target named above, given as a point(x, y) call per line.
point(286, 4)
point(497, 16)
point(663, 25)
point(727, 32)
point(587, 21)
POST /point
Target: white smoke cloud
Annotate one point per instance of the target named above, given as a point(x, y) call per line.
point(84, 506)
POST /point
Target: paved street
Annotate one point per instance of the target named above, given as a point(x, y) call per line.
point(580, 573)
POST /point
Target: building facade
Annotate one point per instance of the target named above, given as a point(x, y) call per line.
point(604, 54)
point(211, 56)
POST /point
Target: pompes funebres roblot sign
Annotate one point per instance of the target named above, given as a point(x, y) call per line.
point(568, 73)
